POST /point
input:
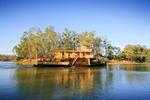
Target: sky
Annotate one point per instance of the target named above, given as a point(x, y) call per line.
point(120, 21)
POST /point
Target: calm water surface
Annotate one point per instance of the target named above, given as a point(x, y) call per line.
point(114, 82)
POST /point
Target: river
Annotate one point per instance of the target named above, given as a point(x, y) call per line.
point(113, 82)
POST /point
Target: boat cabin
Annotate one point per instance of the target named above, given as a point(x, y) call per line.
point(84, 51)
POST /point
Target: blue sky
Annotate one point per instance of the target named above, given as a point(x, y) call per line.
point(121, 21)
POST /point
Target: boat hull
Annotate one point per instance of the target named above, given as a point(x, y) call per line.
point(51, 65)
point(77, 62)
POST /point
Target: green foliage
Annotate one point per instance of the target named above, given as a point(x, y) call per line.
point(148, 56)
point(7, 57)
point(86, 38)
point(67, 40)
point(137, 53)
point(34, 43)
point(97, 44)
point(19, 58)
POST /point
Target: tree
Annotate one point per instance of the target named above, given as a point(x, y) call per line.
point(148, 56)
point(67, 40)
point(107, 47)
point(128, 50)
point(34, 43)
point(116, 51)
point(86, 38)
point(136, 53)
point(97, 45)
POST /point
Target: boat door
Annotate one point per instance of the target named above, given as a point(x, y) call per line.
point(63, 54)
point(84, 54)
point(69, 55)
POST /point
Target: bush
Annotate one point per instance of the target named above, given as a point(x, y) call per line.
point(19, 58)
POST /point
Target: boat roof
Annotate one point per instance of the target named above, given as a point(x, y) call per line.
point(68, 51)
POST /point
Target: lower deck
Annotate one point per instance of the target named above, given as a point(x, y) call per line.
point(72, 62)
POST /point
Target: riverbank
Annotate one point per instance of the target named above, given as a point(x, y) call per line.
point(125, 62)
point(34, 62)
point(27, 62)
point(9, 60)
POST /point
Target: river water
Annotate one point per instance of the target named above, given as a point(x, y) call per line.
point(113, 82)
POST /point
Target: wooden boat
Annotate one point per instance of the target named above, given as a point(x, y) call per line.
point(83, 56)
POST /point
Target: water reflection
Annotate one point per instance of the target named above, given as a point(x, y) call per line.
point(130, 67)
point(113, 82)
point(56, 83)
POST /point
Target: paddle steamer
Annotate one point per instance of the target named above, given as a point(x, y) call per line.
point(83, 56)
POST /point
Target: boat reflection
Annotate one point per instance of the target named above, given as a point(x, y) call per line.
point(81, 83)
point(57, 82)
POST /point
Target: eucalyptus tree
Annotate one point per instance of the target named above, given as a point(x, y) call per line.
point(97, 45)
point(122, 56)
point(86, 38)
point(52, 39)
point(41, 43)
point(140, 53)
point(7, 57)
point(34, 43)
point(116, 51)
point(107, 47)
point(21, 50)
point(128, 50)
point(91, 37)
point(67, 40)
point(75, 39)
point(136, 53)
point(148, 55)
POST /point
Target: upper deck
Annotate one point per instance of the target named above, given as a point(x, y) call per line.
point(84, 51)
point(87, 48)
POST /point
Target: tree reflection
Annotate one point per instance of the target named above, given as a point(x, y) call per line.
point(80, 83)
point(130, 67)
point(56, 83)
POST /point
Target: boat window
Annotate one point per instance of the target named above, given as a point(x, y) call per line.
point(88, 53)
